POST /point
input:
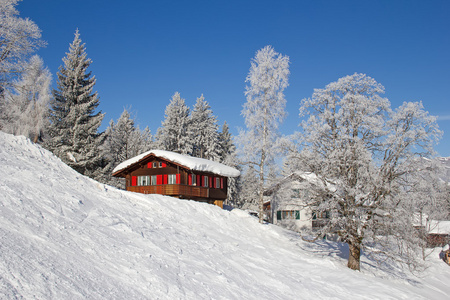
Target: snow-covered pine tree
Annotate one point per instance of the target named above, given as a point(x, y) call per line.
point(123, 141)
point(228, 156)
point(263, 112)
point(204, 131)
point(173, 135)
point(362, 152)
point(74, 124)
point(27, 108)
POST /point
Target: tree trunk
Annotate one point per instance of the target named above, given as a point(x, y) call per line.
point(354, 256)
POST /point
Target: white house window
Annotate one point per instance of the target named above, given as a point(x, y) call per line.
point(143, 180)
point(153, 180)
point(172, 178)
point(205, 181)
point(288, 215)
point(217, 183)
point(155, 164)
point(194, 179)
point(320, 215)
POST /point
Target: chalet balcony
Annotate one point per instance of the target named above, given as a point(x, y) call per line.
point(186, 191)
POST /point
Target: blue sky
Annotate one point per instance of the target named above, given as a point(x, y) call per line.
point(145, 51)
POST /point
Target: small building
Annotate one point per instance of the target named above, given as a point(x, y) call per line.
point(438, 233)
point(288, 203)
point(177, 175)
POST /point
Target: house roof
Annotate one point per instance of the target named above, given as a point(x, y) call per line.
point(298, 177)
point(189, 162)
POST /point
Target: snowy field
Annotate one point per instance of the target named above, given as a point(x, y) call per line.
point(65, 236)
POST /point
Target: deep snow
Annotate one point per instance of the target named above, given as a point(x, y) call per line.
point(65, 236)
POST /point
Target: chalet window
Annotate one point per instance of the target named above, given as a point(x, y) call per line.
point(320, 215)
point(205, 181)
point(155, 164)
point(192, 179)
point(217, 186)
point(143, 180)
point(172, 178)
point(288, 215)
point(153, 182)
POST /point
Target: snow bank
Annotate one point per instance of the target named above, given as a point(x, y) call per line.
point(65, 236)
point(193, 163)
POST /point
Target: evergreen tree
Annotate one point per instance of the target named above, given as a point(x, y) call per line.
point(204, 131)
point(263, 112)
point(228, 156)
point(123, 141)
point(27, 108)
point(173, 135)
point(74, 123)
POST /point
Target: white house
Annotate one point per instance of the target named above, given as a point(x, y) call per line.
point(288, 203)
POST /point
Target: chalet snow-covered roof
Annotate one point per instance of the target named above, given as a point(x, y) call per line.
point(192, 163)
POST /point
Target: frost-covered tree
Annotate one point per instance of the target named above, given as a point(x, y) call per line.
point(363, 153)
point(74, 124)
point(228, 156)
point(123, 140)
point(204, 131)
point(27, 107)
point(249, 180)
point(264, 111)
point(173, 135)
point(18, 38)
point(226, 144)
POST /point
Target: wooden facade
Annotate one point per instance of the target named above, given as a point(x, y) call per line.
point(156, 175)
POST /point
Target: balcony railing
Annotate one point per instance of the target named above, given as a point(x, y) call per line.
point(172, 190)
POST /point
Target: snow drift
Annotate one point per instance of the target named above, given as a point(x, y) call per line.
point(65, 236)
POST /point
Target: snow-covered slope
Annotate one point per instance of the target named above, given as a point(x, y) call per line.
point(64, 236)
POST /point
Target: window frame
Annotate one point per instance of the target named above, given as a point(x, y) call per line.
point(143, 180)
point(172, 179)
point(217, 185)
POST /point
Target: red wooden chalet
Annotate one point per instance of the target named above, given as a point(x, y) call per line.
point(173, 174)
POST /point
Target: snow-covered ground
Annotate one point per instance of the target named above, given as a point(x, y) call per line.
point(65, 236)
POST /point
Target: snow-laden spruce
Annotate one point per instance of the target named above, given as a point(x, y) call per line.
point(123, 141)
point(74, 126)
point(65, 236)
point(173, 135)
point(203, 130)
